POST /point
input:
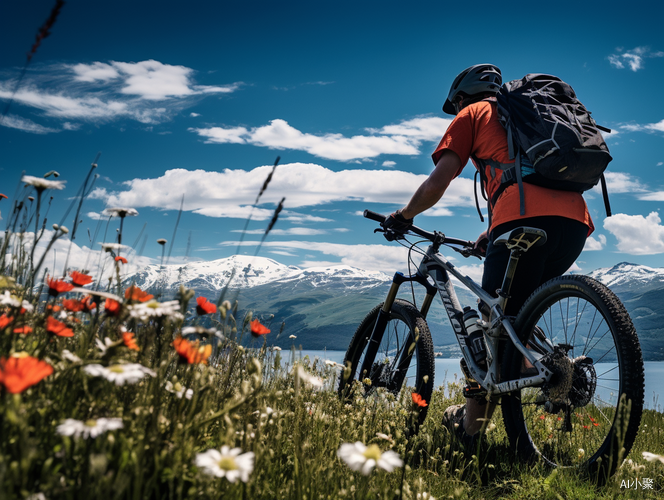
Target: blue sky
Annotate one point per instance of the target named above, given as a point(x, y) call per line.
point(198, 99)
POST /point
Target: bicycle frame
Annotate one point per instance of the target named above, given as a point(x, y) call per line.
point(436, 266)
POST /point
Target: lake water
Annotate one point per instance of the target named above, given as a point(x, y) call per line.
point(447, 369)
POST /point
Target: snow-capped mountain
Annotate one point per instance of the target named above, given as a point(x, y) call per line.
point(245, 272)
point(322, 306)
point(626, 277)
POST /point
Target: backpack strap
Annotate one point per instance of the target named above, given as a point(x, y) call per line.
point(515, 154)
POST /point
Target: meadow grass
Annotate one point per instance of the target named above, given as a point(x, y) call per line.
point(114, 394)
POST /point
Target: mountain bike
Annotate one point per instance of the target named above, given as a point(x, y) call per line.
point(568, 368)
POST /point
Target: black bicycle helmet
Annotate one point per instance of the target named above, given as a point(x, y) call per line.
point(477, 79)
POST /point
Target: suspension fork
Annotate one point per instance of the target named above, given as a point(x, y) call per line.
point(384, 316)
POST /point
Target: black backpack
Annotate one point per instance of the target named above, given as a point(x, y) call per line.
point(551, 136)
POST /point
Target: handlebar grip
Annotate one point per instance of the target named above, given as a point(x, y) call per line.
point(374, 216)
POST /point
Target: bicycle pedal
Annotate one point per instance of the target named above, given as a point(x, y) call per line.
point(475, 392)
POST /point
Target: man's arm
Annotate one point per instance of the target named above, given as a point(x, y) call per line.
point(432, 189)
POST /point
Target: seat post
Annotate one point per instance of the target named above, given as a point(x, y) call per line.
point(504, 291)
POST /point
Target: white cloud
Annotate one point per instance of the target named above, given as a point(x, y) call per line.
point(648, 127)
point(26, 125)
point(402, 139)
point(146, 91)
point(621, 182)
point(593, 244)
point(99, 194)
point(150, 79)
point(389, 163)
point(637, 235)
point(96, 216)
point(231, 193)
point(98, 263)
point(293, 231)
point(654, 196)
point(633, 58)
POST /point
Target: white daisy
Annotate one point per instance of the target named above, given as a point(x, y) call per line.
point(27, 306)
point(7, 299)
point(40, 183)
point(103, 346)
point(130, 372)
point(107, 247)
point(329, 362)
point(425, 496)
point(120, 212)
point(153, 309)
point(89, 428)
point(69, 356)
point(362, 458)
point(652, 457)
point(227, 462)
point(179, 390)
point(276, 348)
point(307, 378)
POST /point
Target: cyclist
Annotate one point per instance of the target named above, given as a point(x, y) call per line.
point(475, 133)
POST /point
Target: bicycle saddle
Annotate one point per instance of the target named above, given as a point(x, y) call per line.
point(522, 238)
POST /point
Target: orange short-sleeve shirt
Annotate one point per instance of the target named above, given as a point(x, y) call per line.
point(477, 132)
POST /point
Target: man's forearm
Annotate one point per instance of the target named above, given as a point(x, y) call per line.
point(432, 189)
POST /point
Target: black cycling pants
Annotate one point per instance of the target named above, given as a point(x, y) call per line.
point(565, 240)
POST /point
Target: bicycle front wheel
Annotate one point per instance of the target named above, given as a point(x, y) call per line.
point(402, 358)
point(589, 412)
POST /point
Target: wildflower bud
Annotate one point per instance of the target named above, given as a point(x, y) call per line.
point(226, 305)
point(254, 366)
point(55, 227)
point(161, 241)
point(64, 229)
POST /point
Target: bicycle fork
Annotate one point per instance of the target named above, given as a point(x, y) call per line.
point(384, 316)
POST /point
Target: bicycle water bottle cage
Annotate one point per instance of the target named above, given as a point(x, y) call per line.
point(522, 238)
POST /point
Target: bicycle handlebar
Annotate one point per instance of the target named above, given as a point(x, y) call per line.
point(421, 232)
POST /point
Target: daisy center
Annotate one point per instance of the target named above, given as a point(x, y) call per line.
point(373, 452)
point(227, 463)
point(116, 369)
point(91, 423)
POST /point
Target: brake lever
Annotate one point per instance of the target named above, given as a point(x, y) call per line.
point(390, 235)
point(468, 252)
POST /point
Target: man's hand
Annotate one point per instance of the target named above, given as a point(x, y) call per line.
point(396, 225)
point(481, 244)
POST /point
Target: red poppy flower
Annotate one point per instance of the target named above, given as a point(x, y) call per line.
point(17, 374)
point(80, 279)
point(73, 305)
point(5, 321)
point(112, 307)
point(53, 308)
point(84, 304)
point(192, 352)
point(120, 259)
point(130, 341)
point(205, 306)
point(135, 293)
point(419, 400)
point(25, 329)
point(3, 196)
point(58, 328)
point(257, 329)
point(56, 287)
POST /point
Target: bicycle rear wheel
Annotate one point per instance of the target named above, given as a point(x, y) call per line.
point(589, 413)
point(404, 356)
